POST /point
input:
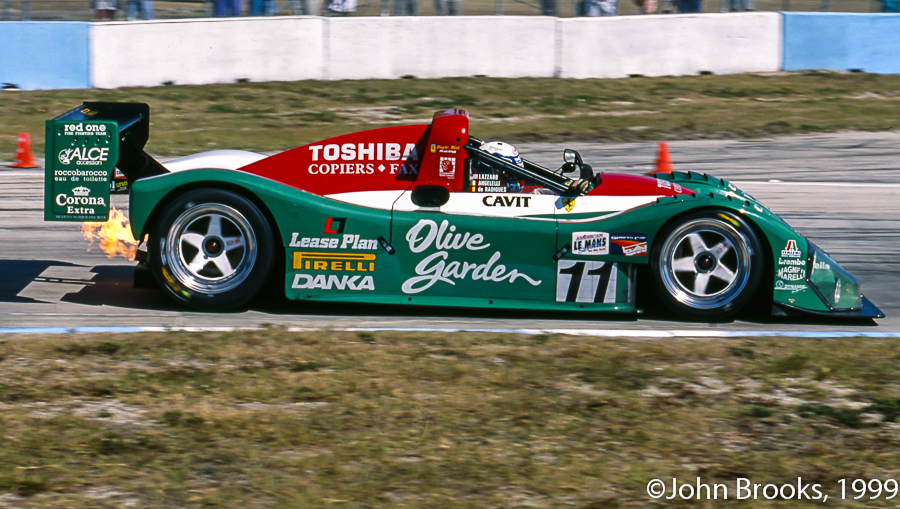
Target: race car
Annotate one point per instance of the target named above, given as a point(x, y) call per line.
point(430, 215)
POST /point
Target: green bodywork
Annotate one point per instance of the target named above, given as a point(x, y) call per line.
point(80, 158)
point(470, 261)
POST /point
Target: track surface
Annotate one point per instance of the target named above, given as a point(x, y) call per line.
point(842, 191)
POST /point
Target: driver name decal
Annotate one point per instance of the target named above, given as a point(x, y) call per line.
point(435, 268)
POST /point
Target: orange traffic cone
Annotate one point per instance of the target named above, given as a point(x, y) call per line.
point(663, 159)
point(24, 155)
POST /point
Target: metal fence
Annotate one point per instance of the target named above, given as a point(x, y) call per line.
point(83, 10)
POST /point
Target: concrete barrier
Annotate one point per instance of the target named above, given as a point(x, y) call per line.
point(194, 52)
point(49, 55)
point(437, 47)
point(670, 45)
point(842, 42)
point(44, 55)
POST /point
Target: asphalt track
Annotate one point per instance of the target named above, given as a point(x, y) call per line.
point(840, 190)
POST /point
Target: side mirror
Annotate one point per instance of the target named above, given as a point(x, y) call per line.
point(572, 156)
point(430, 196)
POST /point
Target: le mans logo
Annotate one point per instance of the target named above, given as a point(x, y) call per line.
point(84, 156)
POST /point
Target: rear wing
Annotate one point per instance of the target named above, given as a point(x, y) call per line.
point(84, 147)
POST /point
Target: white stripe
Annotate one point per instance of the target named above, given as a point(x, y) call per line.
point(473, 204)
point(602, 333)
point(383, 200)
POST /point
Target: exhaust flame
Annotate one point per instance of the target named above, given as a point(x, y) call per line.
point(114, 235)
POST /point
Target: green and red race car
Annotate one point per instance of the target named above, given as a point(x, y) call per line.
point(430, 215)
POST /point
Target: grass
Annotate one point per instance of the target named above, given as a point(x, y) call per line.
point(279, 116)
point(271, 418)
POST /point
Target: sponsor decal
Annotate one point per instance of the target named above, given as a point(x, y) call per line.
point(319, 242)
point(506, 201)
point(84, 156)
point(587, 282)
point(665, 184)
point(83, 175)
point(357, 152)
point(435, 267)
point(346, 262)
point(793, 288)
point(364, 152)
point(81, 197)
point(447, 167)
point(84, 129)
point(791, 250)
point(565, 203)
point(335, 224)
point(332, 282)
point(792, 273)
point(629, 244)
point(590, 243)
point(347, 169)
point(444, 149)
point(792, 261)
point(346, 241)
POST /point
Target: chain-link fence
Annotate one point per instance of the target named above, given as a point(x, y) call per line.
point(86, 10)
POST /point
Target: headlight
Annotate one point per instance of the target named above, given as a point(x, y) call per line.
point(836, 286)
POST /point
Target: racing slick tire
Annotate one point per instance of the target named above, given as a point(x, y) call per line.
point(707, 265)
point(211, 250)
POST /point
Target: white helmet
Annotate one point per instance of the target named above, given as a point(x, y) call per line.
point(503, 150)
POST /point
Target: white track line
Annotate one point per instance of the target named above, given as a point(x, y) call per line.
point(604, 333)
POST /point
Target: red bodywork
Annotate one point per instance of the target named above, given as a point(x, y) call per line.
point(620, 184)
point(397, 158)
point(376, 160)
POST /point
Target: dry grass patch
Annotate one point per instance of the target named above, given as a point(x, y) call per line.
point(279, 116)
point(376, 419)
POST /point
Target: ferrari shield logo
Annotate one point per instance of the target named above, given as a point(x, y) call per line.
point(565, 203)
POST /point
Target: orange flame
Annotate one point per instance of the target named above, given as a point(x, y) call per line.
point(114, 235)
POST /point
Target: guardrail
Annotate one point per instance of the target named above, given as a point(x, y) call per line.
point(82, 10)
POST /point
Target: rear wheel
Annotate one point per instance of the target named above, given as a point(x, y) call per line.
point(707, 265)
point(211, 249)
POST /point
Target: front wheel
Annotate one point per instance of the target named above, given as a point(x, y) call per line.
point(211, 249)
point(708, 265)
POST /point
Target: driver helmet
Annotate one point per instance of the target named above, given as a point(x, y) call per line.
point(503, 150)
